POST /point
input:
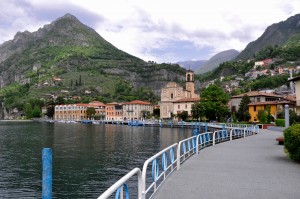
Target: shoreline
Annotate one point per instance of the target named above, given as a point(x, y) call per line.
point(16, 121)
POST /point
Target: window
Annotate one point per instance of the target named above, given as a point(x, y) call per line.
point(178, 106)
point(186, 106)
point(172, 95)
point(258, 99)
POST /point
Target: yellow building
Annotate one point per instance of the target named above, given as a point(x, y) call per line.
point(77, 112)
point(275, 107)
point(259, 101)
point(174, 96)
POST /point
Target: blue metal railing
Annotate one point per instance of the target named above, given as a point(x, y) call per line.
point(167, 161)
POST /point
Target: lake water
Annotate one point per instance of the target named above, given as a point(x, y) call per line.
point(87, 159)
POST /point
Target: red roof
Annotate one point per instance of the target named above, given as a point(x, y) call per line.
point(270, 102)
point(188, 100)
point(137, 102)
point(255, 93)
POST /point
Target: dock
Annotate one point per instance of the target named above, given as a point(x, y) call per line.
point(253, 167)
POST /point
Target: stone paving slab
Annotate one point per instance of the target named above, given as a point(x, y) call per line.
point(254, 167)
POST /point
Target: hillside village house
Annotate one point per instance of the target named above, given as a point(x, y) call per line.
point(260, 101)
point(175, 99)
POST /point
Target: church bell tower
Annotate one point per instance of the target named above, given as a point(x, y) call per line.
point(190, 85)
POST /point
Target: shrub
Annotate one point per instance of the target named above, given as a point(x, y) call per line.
point(280, 122)
point(292, 141)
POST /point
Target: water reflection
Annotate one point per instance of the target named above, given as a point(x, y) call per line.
point(87, 159)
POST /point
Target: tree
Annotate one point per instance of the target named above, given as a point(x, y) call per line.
point(59, 100)
point(214, 102)
point(90, 111)
point(262, 116)
point(196, 111)
point(80, 83)
point(50, 111)
point(243, 108)
point(269, 116)
point(36, 112)
point(28, 110)
point(183, 115)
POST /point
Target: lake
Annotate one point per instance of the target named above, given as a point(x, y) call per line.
point(87, 159)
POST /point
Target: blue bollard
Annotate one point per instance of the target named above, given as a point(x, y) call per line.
point(47, 173)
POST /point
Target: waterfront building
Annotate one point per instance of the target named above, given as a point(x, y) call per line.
point(175, 98)
point(137, 110)
point(77, 112)
point(114, 111)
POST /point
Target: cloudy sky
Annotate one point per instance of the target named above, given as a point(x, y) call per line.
point(158, 30)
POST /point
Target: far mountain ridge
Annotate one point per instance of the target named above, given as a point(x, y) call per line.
point(216, 60)
point(275, 34)
point(191, 64)
point(87, 64)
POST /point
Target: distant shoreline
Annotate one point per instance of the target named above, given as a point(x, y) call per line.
point(16, 120)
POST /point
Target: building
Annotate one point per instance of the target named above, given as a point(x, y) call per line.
point(72, 112)
point(77, 112)
point(255, 96)
point(296, 86)
point(184, 104)
point(260, 101)
point(137, 110)
point(174, 96)
point(275, 107)
point(114, 111)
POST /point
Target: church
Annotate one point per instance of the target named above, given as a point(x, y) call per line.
point(175, 99)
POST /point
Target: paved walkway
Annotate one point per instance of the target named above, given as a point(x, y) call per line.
point(255, 167)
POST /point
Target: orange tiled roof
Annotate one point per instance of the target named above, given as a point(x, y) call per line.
point(271, 102)
point(188, 100)
point(255, 93)
point(138, 102)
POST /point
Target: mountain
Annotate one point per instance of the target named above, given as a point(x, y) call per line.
point(276, 34)
point(191, 64)
point(216, 60)
point(68, 50)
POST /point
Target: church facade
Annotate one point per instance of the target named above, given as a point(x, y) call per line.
point(175, 99)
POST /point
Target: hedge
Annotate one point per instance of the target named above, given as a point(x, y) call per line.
point(292, 141)
point(280, 122)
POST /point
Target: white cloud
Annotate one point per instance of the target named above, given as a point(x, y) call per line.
point(142, 27)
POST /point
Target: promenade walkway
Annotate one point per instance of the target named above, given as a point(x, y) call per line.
point(251, 167)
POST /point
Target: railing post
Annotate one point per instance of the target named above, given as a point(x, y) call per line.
point(206, 127)
point(47, 173)
point(214, 138)
point(230, 135)
point(178, 157)
point(286, 116)
point(197, 144)
point(245, 132)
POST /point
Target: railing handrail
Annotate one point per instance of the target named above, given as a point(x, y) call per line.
point(145, 166)
point(179, 149)
point(120, 183)
point(142, 191)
